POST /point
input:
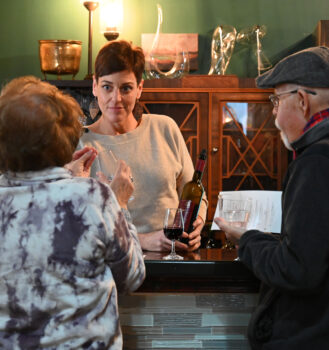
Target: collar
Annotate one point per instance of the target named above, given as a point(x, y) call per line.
point(316, 129)
point(316, 118)
point(29, 178)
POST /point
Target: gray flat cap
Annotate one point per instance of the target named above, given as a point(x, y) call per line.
point(308, 67)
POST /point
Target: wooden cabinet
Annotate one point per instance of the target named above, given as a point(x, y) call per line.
point(237, 128)
point(234, 124)
point(322, 33)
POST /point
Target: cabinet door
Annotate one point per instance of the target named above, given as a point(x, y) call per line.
point(189, 110)
point(247, 152)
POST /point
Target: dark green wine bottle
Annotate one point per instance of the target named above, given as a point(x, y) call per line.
point(191, 197)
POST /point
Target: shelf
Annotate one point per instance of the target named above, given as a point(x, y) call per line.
point(71, 83)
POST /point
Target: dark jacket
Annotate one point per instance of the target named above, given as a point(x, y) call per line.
point(293, 310)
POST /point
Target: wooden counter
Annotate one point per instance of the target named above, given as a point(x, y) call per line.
point(207, 270)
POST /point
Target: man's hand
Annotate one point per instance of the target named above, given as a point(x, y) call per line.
point(233, 233)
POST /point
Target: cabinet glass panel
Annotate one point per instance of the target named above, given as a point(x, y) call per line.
point(251, 146)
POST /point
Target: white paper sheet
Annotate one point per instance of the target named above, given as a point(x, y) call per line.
point(265, 212)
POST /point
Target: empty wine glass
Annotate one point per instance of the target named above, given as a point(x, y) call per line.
point(108, 164)
point(173, 228)
point(236, 212)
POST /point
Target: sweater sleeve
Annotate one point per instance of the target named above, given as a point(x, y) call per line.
point(123, 251)
point(299, 261)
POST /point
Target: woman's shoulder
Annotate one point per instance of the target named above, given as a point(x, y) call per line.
point(160, 120)
point(87, 185)
point(90, 138)
point(87, 132)
point(85, 135)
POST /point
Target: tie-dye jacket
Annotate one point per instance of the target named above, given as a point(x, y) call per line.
point(66, 248)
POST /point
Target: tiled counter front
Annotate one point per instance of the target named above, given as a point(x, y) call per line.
point(186, 321)
point(189, 320)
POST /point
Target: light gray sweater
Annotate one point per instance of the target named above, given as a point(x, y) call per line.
point(160, 162)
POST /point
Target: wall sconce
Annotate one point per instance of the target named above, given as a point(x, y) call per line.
point(91, 6)
point(111, 18)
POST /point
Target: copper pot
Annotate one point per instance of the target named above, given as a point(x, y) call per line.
point(60, 57)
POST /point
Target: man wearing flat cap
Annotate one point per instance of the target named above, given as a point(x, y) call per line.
point(293, 309)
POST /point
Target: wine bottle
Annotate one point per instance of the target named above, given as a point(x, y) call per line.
point(191, 196)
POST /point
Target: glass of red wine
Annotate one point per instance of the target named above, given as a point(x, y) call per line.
point(109, 164)
point(173, 228)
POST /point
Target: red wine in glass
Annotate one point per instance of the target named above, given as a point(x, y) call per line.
point(173, 227)
point(173, 232)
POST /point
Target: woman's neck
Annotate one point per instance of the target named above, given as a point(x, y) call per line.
point(101, 126)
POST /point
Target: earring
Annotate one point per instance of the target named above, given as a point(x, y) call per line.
point(138, 110)
point(94, 108)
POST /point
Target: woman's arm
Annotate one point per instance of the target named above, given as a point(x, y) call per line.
point(125, 255)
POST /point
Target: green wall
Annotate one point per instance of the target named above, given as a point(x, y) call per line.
point(290, 25)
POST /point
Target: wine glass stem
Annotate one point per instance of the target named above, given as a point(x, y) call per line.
point(173, 247)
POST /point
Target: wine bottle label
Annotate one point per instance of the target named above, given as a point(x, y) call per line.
point(188, 208)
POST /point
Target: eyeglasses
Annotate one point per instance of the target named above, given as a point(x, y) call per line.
point(276, 100)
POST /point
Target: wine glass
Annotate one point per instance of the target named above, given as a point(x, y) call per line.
point(173, 228)
point(109, 162)
point(236, 212)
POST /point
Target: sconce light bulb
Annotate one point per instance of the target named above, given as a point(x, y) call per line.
point(111, 18)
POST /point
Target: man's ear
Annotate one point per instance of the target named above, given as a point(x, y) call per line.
point(304, 103)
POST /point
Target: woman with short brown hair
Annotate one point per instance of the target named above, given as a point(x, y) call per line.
point(151, 144)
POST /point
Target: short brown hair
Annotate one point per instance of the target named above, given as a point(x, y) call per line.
point(39, 126)
point(117, 56)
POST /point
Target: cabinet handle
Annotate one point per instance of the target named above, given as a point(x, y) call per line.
point(215, 149)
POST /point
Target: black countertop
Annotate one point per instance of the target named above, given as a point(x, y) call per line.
point(204, 271)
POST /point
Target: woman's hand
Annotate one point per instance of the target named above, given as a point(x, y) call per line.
point(233, 233)
point(155, 241)
point(195, 236)
point(122, 184)
point(82, 161)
